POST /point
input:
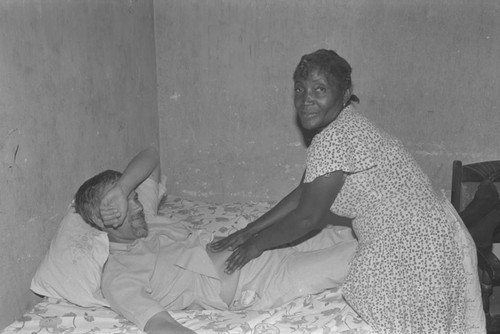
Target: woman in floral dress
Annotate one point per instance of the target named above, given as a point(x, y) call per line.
point(415, 268)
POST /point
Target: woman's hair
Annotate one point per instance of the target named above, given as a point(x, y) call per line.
point(88, 197)
point(331, 64)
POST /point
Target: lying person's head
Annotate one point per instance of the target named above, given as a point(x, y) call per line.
point(87, 205)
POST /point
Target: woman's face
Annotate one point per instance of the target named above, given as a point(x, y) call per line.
point(318, 101)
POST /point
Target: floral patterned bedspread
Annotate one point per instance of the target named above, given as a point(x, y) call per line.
point(323, 313)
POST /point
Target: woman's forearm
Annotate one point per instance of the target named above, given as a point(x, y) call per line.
point(311, 213)
point(278, 212)
point(286, 230)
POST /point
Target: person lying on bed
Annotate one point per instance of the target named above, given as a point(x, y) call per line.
point(155, 267)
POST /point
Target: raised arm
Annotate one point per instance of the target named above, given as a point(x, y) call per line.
point(145, 164)
point(114, 204)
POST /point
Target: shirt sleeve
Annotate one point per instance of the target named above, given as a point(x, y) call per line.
point(128, 293)
point(149, 196)
point(339, 148)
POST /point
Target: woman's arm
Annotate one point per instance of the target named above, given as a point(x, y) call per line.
point(278, 212)
point(315, 201)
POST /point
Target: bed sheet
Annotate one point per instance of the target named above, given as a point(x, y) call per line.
point(326, 312)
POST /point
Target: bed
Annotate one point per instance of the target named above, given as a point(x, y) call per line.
point(325, 312)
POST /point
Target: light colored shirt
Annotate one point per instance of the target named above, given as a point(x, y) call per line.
point(168, 270)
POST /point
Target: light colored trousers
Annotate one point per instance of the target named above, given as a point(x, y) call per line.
point(281, 275)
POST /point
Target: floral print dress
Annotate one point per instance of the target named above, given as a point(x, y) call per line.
point(415, 268)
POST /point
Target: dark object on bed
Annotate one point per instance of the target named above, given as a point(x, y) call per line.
point(481, 215)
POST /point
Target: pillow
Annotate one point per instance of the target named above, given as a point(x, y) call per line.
point(72, 267)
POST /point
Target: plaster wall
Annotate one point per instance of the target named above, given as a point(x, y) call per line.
point(77, 95)
point(426, 71)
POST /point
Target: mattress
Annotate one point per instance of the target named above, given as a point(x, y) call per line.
point(326, 312)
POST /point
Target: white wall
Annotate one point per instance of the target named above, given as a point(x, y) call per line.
point(77, 95)
point(425, 70)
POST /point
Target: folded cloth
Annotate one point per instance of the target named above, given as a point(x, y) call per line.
point(485, 199)
point(281, 275)
point(483, 230)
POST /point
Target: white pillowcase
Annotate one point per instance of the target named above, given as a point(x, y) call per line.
point(72, 267)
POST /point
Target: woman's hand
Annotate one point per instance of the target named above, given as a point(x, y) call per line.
point(230, 242)
point(242, 255)
point(114, 207)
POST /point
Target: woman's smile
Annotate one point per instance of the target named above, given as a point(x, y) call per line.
point(309, 114)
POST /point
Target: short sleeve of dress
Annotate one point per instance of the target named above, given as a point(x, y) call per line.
point(346, 145)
